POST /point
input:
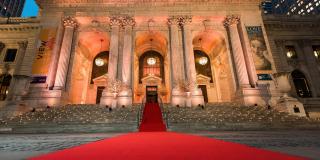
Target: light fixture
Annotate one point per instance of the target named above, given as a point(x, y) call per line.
point(316, 54)
point(289, 54)
point(151, 61)
point(203, 61)
point(99, 62)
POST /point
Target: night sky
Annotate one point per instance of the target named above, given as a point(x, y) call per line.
point(30, 9)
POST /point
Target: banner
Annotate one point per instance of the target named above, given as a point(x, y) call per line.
point(41, 64)
point(261, 57)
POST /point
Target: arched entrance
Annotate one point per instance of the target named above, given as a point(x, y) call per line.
point(214, 73)
point(90, 66)
point(151, 73)
point(204, 72)
point(151, 67)
point(5, 80)
point(301, 84)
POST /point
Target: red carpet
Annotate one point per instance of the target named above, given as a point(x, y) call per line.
point(163, 146)
point(152, 119)
point(150, 145)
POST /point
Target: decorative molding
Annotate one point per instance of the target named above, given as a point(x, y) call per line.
point(179, 20)
point(70, 22)
point(231, 20)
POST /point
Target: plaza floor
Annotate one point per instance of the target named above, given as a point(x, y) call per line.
point(302, 143)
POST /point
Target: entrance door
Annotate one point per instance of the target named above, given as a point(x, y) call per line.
point(152, 94)
point(204, 92)
point(99, 94)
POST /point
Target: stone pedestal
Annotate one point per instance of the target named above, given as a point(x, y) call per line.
point(178, 97)
point(197, 98)
point(125, 98)
point(286, 103)
point(107, 99)
point(291, 106)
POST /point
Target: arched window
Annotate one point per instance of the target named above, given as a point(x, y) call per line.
point(203, 64)
point(301, 84)
point(151, 63)
point(5, 81)
point(100, 65)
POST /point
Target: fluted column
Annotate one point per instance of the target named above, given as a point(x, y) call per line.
point(127, 51)
point(177, 64)
point(188, 50)
point(61, 77)
point(114, 48)
point(231, 23)
point(196, 98)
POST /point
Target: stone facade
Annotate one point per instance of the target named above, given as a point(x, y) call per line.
point(74, 35)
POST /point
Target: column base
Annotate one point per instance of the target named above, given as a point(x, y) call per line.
point(197, 99)
point(108, 99)
point(291, 105)
point(178, 98)
point(125, 98)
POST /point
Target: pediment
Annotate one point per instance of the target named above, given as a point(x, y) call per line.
point(202, 79)
point(151, 80)
point(102, 80)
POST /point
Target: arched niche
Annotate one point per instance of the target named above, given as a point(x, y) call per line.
point(301, 84)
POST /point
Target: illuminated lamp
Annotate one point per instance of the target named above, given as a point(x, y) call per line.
point(151, 61)
point(99, 62)
point(203, 61)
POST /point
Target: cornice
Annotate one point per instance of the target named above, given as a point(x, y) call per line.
point(75, 3)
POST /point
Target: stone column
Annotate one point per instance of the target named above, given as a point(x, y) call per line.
point(125, 96)
point(108, 98)
point(55, 57)
point(231, 23)
point(114, 48)
point(196, 93)
point(63, 65)
point(19, 82)
point(177, 62)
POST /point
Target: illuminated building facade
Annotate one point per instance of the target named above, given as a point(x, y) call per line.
point(186, 53)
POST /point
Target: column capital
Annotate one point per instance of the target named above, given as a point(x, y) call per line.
point(128, 21)
point(231, 20)
point(179, 20)
point(23, 44)
point(70, 22)
point(115, 21)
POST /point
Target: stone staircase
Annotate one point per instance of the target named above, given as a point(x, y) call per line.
point(72, 119)
point(98, 119)
point(232, 116)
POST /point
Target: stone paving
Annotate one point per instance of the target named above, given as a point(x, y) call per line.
point(301, 143)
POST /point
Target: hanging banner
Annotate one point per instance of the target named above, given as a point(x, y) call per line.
point(261, 57)
point(41, 64)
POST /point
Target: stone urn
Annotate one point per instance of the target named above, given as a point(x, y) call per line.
point(283, 82)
